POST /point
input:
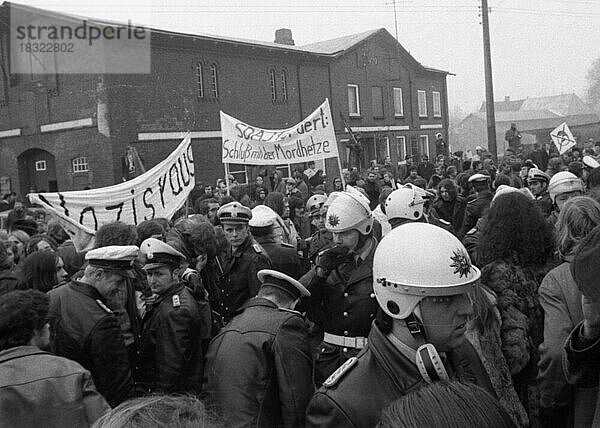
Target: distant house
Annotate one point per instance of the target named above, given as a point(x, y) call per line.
point(535, 118)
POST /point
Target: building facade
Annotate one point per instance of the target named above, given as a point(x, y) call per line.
point(70, 132)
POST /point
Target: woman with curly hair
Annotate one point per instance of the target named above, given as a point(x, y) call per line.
point(43, 271)
point(516, 250)
point(561, 404)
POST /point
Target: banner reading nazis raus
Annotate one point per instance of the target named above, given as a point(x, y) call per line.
point(311, 139)
point(159, 192)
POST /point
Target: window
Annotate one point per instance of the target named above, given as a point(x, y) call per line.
point(424, 145)
point(382, 148)
point(284, 93)
point(437, 104)
point(40, 165)
point(285, 170)
point(273, 86)
point(200, 79)
point(401, 147)
point(422, 103)
point(239, 172)
point(214, 80)
point(377, 100)
point(353, 101)
point(80, 164)
point(398, 103)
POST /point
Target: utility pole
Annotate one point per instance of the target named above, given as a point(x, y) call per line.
point(395, 19)
point(489, 87)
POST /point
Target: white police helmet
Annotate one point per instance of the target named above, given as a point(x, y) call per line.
point(418, 260)
point(564, 182)
point(349, 210)
point(406, 202)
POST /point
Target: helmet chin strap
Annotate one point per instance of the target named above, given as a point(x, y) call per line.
point(427, 359)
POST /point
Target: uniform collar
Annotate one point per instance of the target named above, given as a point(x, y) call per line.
point(19, 352)
point(175, 288)
point(365, 252)
point(87, 289)
point(257, 301)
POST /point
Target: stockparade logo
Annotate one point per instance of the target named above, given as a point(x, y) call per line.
point(55, 44)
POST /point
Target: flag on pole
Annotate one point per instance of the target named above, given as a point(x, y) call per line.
point(563, 138)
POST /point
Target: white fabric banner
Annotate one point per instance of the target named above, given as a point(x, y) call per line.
point(563, 138)
point(311, 139)
point(159, 192)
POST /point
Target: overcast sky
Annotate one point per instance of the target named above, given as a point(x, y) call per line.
point(539, 47)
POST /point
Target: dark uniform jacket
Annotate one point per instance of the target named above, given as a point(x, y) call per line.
point(259, 367)
point(284, 257)
point(239, 281)
point(345, 304)
point(171, 354)
point(40, 389)
point(545, 203)
point(381, 375)
point(476, 209)
point(85, 330)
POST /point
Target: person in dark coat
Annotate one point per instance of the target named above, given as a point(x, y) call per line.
point(85, 330)
point(477, 207)
point(284, 257)
point(426, 169)
point(36, 387)
point(404, 338)
point(450, 207)
point(242, 260)
point(537, 181)
point(259, 367)
point(372, 188)
point(170, 358)
point(341, 283)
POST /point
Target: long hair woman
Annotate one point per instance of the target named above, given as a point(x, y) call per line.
point(43, 271)
point(450, 206)
point(516, 251)
point(561, 301)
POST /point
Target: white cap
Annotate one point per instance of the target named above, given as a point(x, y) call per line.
point(590, 162)
point(479, 177)
point(262, 216)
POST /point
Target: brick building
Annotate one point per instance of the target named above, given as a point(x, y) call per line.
point(64, 132)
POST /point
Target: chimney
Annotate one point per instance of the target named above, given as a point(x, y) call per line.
point(283, 36)
point(506, 98)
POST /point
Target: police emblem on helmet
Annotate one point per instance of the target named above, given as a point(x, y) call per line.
point(333, 220)
point(460, 262)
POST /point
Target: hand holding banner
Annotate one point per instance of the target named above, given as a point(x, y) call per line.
point(311, 139)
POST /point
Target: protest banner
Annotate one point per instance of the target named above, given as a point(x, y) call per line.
point(311, 139)
point(563, 138)
point(159, 192)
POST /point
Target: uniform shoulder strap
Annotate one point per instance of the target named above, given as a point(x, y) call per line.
point(340, 372)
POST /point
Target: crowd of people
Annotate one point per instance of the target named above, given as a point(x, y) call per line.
point(451, 293)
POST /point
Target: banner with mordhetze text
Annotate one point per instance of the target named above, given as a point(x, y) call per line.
point(159, 192)
point(311, 139)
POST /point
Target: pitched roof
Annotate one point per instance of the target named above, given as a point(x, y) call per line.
point(561, 105)
point(340, 44)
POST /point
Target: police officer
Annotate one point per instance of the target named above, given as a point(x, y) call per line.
point(284, 257)
point(85, 330)
point(537, 181)
point(259, 367)
point(563, 186)
point(243, 259)
point(171, 354)
point(405, 204)
point(478, 206)
point(424, 294)
point(322, 238)
point(341, 283)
